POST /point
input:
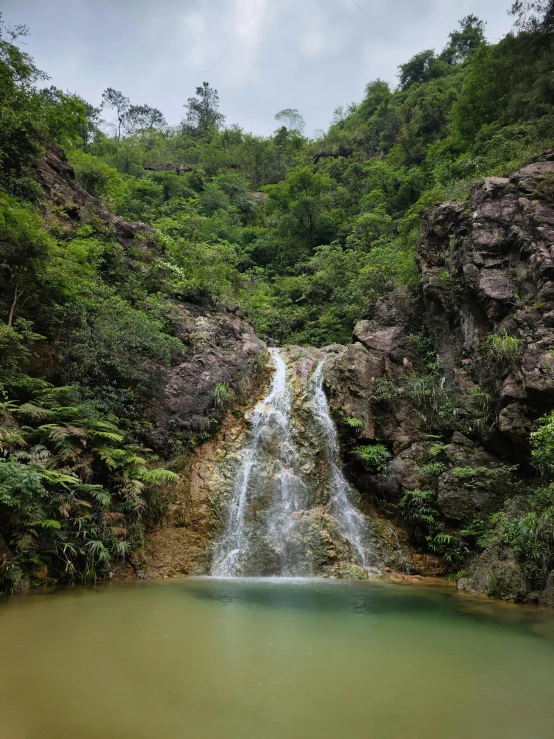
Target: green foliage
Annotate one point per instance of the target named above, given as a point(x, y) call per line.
point(222, 396)
point(21, 121)
point(542, 444)
point(434, 402)
point(532, 538)
point(98, 178)
point(420, 511)
point(354, 423)
point(25, 248)
point(374, 458)
point(73, 487)
point(65, 117)
point(504, 346)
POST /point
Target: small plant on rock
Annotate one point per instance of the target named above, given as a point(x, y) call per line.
point(355, 424)
point(222, 396)
point(503, 346)
point(374, 458)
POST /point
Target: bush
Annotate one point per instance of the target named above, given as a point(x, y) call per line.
point(98, 178)
point(542, 445)
point(504, 346)
point(374, 458)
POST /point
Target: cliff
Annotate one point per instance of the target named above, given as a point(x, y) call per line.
point(451, 380)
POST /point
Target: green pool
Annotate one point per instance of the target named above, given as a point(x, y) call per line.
point(273, 659)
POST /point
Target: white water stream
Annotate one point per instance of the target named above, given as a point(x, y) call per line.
point(273, 494)
point(351, 523)
point(271, 426)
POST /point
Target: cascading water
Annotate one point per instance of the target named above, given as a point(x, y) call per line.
point(351, 523)
point(268, 458)
point(291, 512)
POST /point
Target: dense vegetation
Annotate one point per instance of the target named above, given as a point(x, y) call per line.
point(305, 234)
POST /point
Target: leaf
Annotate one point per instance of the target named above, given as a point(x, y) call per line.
point(58, 478)
point(47, 524)
point(108, 436)
point(34, 412)
point(160, 475)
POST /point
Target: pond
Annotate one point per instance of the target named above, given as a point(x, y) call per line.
point(268, 659)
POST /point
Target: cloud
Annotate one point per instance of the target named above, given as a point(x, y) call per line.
point(262, 55)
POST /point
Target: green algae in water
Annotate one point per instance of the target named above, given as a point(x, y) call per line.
point(268, 659)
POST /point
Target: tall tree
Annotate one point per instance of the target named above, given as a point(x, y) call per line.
point(421, 68)
point(470, 36)
point(117, 101)
point(292, 119)
point(534, 15)
point(203, 111)
point(21, 125)
point(141, 117)
point(91, 129)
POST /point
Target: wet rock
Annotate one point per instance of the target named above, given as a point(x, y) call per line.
point(391, 329)
point(496, 573)
point(468, 488)
point(514, 423)
point(546, 597)
point(351, 379)
point(407, 466)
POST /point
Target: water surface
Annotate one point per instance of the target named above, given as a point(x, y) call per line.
point(268, 659)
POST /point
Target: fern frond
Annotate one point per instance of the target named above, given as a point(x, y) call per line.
point(34, 412)
point(160, 475)
point(47, 524)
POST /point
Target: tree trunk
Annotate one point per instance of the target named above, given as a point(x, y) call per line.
point(17, 294)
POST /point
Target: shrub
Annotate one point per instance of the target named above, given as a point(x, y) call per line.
point(542, 444)
point(503, 346)
point(374, 458)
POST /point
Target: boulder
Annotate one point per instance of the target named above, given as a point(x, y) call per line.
point(496, 573)
point(221, 349)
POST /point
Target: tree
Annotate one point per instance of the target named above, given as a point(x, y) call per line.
point(21, 123)
point(463, 42)
point(302, 206)
point(203, 111)
point(114, 99)
point(66, 117)
point(421, 68)
point(535, 16)
point(143, 117)
point(292, 119)
point(24, 250)
point(91, 128)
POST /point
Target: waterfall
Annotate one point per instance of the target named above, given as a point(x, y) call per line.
point(270, 436)
point(289, 496)
point(351, 523)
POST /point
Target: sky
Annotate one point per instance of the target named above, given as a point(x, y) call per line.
point(261, 55)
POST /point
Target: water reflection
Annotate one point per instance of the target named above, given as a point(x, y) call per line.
point(365, 599)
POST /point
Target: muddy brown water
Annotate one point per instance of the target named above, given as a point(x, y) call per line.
point(268, 659)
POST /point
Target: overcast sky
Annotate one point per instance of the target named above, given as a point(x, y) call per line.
point(262, 55)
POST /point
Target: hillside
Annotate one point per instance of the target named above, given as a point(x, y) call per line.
point(146, 267)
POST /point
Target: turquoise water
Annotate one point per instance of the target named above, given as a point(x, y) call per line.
point(268, 659)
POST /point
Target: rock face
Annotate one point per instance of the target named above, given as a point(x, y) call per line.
point(224, 361)
point(487, 268)
point(452, 378)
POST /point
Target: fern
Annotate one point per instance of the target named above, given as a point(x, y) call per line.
point(47, 524)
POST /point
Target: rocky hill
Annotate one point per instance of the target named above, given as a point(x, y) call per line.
point(452, 379)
